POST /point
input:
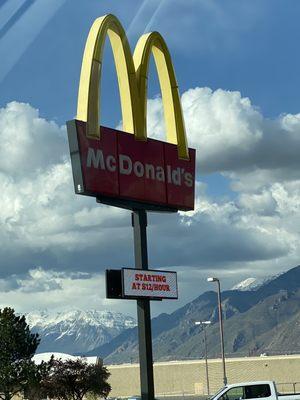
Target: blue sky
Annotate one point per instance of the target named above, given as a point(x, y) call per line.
point(237, 67)
point(240, 45)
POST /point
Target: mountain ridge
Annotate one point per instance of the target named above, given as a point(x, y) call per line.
point(76, 331)
point(255, 321)
point(176, 333)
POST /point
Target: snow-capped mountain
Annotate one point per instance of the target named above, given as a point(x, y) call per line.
point(247, 284)
point(254, 283)
point(76, 331)
point(262, 321)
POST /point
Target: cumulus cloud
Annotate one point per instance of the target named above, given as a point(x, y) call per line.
point(231, 135)
point(73, 238)
point(42, 289)
point(262, 203)
point(40, 216)
point(260, 159)
point(217, 234)
point(223, 125)
point(35, 280)
point(39, 280)
point(28, 142)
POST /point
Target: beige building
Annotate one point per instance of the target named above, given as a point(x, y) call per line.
point(188, 377)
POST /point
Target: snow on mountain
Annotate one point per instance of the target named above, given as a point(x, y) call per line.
point(247, 284)
point(76, 331)
point(254, 283)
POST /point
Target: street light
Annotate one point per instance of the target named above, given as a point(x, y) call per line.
point(205, 324)
point(221, 326)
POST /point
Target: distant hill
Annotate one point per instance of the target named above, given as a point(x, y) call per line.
point(265, 319)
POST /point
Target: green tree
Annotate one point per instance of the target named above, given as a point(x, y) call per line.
point(17, 347)
point(72, 380)
point(37, 377)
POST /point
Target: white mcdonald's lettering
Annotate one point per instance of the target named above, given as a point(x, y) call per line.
point(177, 176)
point(125, 164)
point(97, 160)
point(111, 163)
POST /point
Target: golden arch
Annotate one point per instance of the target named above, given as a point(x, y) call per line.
point(132, 73)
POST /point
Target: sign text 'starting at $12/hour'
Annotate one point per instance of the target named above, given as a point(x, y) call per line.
point(150, 283)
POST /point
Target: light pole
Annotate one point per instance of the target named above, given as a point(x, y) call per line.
point(221, 326)
point(205, 324)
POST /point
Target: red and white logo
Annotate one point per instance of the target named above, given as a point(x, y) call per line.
point(119, 166)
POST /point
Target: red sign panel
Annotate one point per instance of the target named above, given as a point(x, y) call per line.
point(119, 166)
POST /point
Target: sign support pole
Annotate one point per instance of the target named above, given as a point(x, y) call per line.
point(139, 223)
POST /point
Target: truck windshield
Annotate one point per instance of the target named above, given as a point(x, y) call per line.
point(218, 392)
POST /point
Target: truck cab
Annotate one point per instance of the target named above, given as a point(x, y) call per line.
point(252, 390)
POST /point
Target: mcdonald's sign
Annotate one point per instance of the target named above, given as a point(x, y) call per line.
point(128, 165)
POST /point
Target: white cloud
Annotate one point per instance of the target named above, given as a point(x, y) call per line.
point(39, 280)
point(222, 124)
point(284, 199)
point(262, 203)
point(28, 142)
point(260, 157)
point(44, 223)
point(39, 211)
point(233, 137)
point(41, 289)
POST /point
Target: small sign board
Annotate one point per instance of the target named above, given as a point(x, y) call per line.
point(153, 284)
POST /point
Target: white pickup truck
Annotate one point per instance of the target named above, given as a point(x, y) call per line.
point(253, 390)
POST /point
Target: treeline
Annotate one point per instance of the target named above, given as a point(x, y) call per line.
point(54, 379)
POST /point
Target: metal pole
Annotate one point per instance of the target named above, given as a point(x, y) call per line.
point(139, 223)
point(206, 362)
point(221, 332)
